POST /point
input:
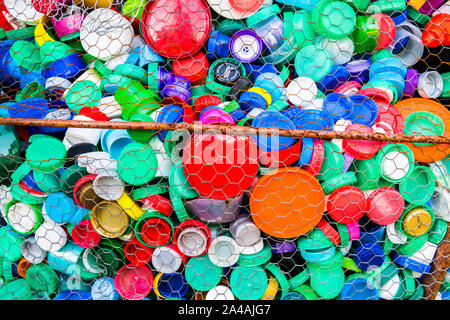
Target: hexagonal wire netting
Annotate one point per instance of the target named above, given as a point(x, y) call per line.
point(224, 149)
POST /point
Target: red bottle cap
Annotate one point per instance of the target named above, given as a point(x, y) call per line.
point(84, 234)
point(137, 253)
point(281, 158)
point(188, 112)
point(246, 5)
point(94, 113)
point(196, 224)
point(192, 68)
point(361, 149)
point(386, 205)
point(220, 166)
point(206, 101)
point(387, 30)
point(329, 231)
point(176, 28)
point(159, 203)
point(316, 162)
point(390, 115)
point(347, 204)
point(437, 31)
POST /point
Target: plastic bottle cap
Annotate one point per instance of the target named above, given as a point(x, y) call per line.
point(109, 219)
point(167, 259)
point(336, 19)
point(103, 289)
point(417, 221)
point(134, 282)
point(359, 287)
point(201, 274)
point(314, 62)
point(299, 217)
point(22, 217)
point(32, 252)
point(358, 149)
point(301, 90)
point(430, 85)
point(192, 68)
point(246, 46)
point(50, 236)
point(220, 293)
point(248, 283)
point(395, 165)
point(224, 251)
point(162, 29)
point(137, 164)
point(347, 204)
point(386, 205)
point(105, 34)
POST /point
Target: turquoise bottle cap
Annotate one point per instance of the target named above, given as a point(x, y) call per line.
point(202, 274)
point(314, 62)
point(137, 164)
point(84, 93)
point(45, 153)
point(248, 283)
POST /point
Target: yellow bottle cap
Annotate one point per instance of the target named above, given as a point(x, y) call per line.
point(417, 222)
point(272, 289)
point(109, 219)
point(263, 92)
point(40, 34)
point(130, 207)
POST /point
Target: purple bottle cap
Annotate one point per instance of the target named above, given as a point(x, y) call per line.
point(163, 78)
point(246, 46)
point(177, 86)
point(412, 78)
point(357, 67)
point(283, 247)
point(430, 6)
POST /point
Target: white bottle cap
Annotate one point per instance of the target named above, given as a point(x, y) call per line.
point(345, 250)
point(57, 82)
point(106, 34)
point(166, 260)
point(395, 236)
point(32, 252)
point(301, 90)
point(389, 290)
point(110, 107)
point(394, 165)
point(224, 251)
point(341, 50)
point(430, 85)
point(97, 162)
point(414, 48)
point(50, 236)
point(440, 203)
point(5, 198)
point(24, 11)
point(192, 241)
point(220, 293)
point(164, 165)
point(22, 217)
point(108, 186)
point(426, 254)
point(80, 135)
point(257, 247)
point(245, 232)
point(255, 112)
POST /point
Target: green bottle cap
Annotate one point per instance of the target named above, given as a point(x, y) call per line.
point(134, 72)
point(438, 231)
point(327, 282)
point(446, 88)
point(52, 51)
point(142, 136)
point(418, 294)
point(26, 54)
point(248, 283)
point(345, 179)
point(337, 19)
point(46, 154)
point(149, 215)
point(137, 164)
point(256, 259)
point(179, 184)
point(304, 27)
point(47, 182)
point(69, 178)
point(229, 27)
point(83, 93)
point(350, 264)
point(41, 277)
point(101, 69)
point(178, 207)
point(313, 62)
point(412, 246)
point(360, 6)
point(381, 54)
point(152, 76)
point(279, 275)
point(201, 274)
point(299, 279)
point(31, 90)
point(306, 292)
point(133, 9)
point(264, 13)
point(424, 123)
point(149, 191)
point(420, 18)
point(387, 6)
point(6, 270)
point(10, 245)
point(314, 240)
point(333, 162)
point(395, 161)
point(367, 173)
point(418, 187)
point(114, 81)
point(365, 34)
point(22, 33)
point(16, 290)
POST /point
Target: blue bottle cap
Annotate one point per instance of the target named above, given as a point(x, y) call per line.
point(365, 110)
point(369, 255)
point(217, 45)
point(172, 285)
point(307, 152)
point(62, 209)
point(30, 77)
point(338, 106)
point(31, 108)
point(249, 100)
point(74, 295)
point(69, 67)
point(359, 288)
point(13, 70)
point(227, 72)
point(257, 70)
point(104, 289)
point(148, 55)
point(169, 114)
point(400, 18)
point(337, 76)
point(394, 79)
point(273, 119)
point(359, 69)
point(411, 264)
point(272, 83)
point(163, 77)
point(391, 64)
point(311, 119)
point(30, 183)
point(177, 86)
point(374, 235)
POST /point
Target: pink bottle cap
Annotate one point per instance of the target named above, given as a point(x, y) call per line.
point(134, 282)
point(354, 231)
point(68, 25)
point(216, 116)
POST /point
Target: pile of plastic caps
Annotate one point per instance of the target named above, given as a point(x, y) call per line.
point(97, 214)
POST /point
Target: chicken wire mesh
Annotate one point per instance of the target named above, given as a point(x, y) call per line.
point(323, 173)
